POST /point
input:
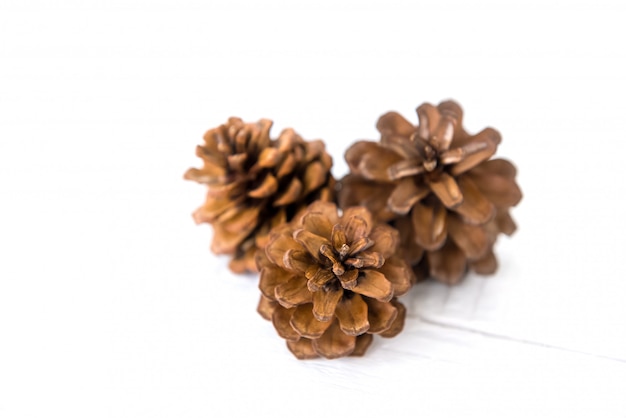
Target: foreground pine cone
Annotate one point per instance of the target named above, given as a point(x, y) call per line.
point(329, 282)
point(436, 184)
point(255, 183)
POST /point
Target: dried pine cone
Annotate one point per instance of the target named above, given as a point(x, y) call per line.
point(329, 282)
point(255, 183)
point(436, 184)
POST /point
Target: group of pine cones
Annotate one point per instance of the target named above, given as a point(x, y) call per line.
point(426, 201)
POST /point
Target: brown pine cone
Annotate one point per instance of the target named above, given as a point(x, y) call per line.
point(436, 184)
point(255, 183)
point(329, 282)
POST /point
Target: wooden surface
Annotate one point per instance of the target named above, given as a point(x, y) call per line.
point(111, 304)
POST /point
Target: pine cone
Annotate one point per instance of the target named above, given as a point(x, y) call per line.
point(329, 282)
point(255, 183)
point(436, 184)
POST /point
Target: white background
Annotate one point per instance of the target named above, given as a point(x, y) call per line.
point(111, 304)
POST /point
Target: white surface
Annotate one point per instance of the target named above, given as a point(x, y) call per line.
point(111, 304)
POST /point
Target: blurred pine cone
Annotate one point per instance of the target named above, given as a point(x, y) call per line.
point(436, 184)
point(329, 282)
point(255, 183)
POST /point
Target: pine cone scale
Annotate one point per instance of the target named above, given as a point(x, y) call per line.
point(476, 209)
point(224, 241)
point(488, 264)
point(290, 194)
point(318, 224)
point(302, 349)
point(313, 177)
point(236, 162)
point(374, 285)
point(447, 190)
point(395, 123)
point(497, 167)
point(490, 138)
point(399, 275)
point(356, 190)
point(305, 324)
point(312, 242)
point(270, 278)
point(280, 320)
point(325, 302)
point(361, 345)
point(428, 116)
point(505, 222)
point(241, 222)
point(266, 308)
point(267, 188)
point(286, 166)
point(398, 323)
point(447, 264)
point(279, 245)
point(405, 195)
point(472, 240)
point(334, 343)
point(371, 161)
point(441, 136)
point(501, 190)
point(352, 315)
point(380, 316)
point(384, 240)
point(293, 293)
